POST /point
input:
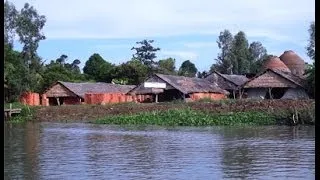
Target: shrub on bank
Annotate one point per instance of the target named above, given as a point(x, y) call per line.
point(27, 112)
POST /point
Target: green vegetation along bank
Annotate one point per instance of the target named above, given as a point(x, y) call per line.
point(189, 117)
point(202, 113)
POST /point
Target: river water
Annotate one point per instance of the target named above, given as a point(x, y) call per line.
point(87, 151)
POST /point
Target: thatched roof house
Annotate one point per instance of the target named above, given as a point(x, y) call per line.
point(177, 87)
point(73, 93)
point(229, 82)
point(273, 83)
point(294, 62)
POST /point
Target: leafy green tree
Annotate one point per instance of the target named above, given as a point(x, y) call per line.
point(202, 74)
point(257, 54)
point(146, 54)
point(240, 54)
point(311, 45)
point(10, 18)
point(98, 69)
point(310, 72)
point(28, 25)
point(188, 69)
point(167, 66)
point(62, 59)
point(55, 71)
point(132, 72)
point(15, 74)
point(223, 62)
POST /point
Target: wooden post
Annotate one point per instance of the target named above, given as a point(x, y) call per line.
point(58, 101)
point(10, 111)
point(240, 94)
point(270, 96)
point(234, 94)
point(156, 98)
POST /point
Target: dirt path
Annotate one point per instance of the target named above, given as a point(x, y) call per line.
point(84, 113)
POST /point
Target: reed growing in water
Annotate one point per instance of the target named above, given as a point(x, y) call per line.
point(189, 117)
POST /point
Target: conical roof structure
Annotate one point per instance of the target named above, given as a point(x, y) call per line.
point(275, 63)
point(294, 62)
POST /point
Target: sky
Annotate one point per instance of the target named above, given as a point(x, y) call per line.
point(184, 30)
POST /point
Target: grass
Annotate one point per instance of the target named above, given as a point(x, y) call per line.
point(189, 117)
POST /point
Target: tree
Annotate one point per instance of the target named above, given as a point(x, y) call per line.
point(75, 65)
point(240, 54)
point(188, 69)
point(146, 54)
point(131, 72)
point(10, 18)
point(257, 53)
point(311, 45)
point(62, 59)
point(98, 69)
point(167, 66)
point(310, 72)
point(15, 74)
point(29, 27)
point(224, 62)
point(202, 74)
point(55, 71)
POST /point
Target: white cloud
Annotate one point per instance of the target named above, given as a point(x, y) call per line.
point(278, 20)
point(185, 55)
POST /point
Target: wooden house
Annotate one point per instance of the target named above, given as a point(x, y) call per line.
point(229, 82)
point(275, 84)
point(180, 87)
point(74, 93)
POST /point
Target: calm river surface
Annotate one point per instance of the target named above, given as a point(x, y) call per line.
point(87, 151)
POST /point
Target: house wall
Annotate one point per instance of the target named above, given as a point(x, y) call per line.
point(295, 93)
point(30, 98)
point(108, 98)
point(59, 91)
point(269, 79)
point(44, 100)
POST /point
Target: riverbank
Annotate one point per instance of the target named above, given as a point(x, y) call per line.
point(260, 112)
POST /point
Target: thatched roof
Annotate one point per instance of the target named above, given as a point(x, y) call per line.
point(276, 64)
point(231, 82)
point(274, 78)
point(294, 62)
point(80, 89)
point(185, 85)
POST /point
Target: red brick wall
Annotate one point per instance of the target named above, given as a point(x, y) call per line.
point(213, 96)
point(30, 98)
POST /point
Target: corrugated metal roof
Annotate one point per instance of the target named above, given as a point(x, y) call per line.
point(81, 88)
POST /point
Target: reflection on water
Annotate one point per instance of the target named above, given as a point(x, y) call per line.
point(86, 151)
